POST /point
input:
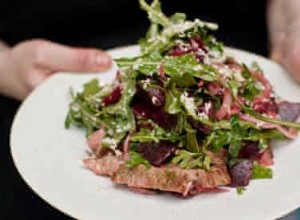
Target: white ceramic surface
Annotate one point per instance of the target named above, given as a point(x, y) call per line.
point(49, 158)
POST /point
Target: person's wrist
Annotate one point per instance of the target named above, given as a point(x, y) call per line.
point(3, 46)
point(5, 83)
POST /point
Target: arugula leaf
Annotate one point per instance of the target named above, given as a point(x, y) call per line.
point(136, 159)
point(212, 44)
point(235, 146)
point(156, 133)
point(191, 141)
point(234, 86)
point(81, 114)
point(154, 12)
point(122, 108)
point(220, 139)
point(250, 90)
point(263, 144)
point(271, 120)
point(240, 190)
point(186, 80)
point(173, 105)
point(178, 18)
point(91, 88)
point(173, 66)
point(259, 172)
point(189, 160)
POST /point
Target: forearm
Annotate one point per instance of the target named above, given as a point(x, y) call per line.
point(3, 45)
point(284, 34)
point(4, 79)
point(283, 21)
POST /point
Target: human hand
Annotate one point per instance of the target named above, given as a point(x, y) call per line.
point(284, 33)
point(29, 63)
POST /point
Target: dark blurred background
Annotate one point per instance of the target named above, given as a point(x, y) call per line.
point(104, 24)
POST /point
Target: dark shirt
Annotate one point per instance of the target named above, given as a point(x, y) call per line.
point(107, 23)
point(104, 24)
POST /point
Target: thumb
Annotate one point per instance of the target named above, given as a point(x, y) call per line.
point(63, 58)
point(290, 52)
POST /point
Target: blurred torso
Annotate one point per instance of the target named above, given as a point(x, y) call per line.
point(106, 23)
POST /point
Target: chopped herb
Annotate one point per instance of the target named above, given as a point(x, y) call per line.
point(240, 190)
point(170, 175)
point(136, 159)
point(260, 172)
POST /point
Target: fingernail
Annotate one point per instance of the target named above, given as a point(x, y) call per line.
point(103, 61)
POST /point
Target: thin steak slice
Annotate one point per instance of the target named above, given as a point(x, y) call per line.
point(168, 178)
point(106, 165)
point(172, 178)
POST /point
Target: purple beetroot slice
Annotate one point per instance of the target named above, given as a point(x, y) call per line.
point(152, 95)
point(267, 106)
point(157, 153)
point(114, 97)
point(164, 119)
point(203, 128)
point(240, 173)
point(140, 110)
point(250, 150)
point(289, 111)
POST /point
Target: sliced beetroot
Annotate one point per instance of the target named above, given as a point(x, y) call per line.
point(250, 150)
point(268, 106)
point(157, 153)
point(164, 119)
point(114, 97)
point(140, 110)
point(240, 173)
point(152, 95)
point(289, 111)
point(197, 43)
point(203, 128)
point(194, 45)
point(177, 51)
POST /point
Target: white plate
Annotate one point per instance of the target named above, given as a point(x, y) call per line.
point(49, 158)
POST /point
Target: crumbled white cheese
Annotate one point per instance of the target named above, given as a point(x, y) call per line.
point(202, 115)
point(189, 103)
point(154, 100)
point(136, 66)
point(238, 76)
point(197, 68)
point(118, 153)
point(207, 107)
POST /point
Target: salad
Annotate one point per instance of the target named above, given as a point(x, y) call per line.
point(182, 117)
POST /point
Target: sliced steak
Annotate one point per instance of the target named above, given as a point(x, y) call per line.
point(171, 178)
point(95, 142)
point(217, 158)
point(106, 165)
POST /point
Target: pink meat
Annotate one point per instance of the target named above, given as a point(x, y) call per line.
point(106, 165)
point(226, 105)
point(171, 178)
point(288, 132)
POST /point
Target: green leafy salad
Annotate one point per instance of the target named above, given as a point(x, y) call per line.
point(182, 107)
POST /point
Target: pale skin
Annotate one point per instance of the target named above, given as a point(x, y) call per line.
point(26, 65)
point(284, 34)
